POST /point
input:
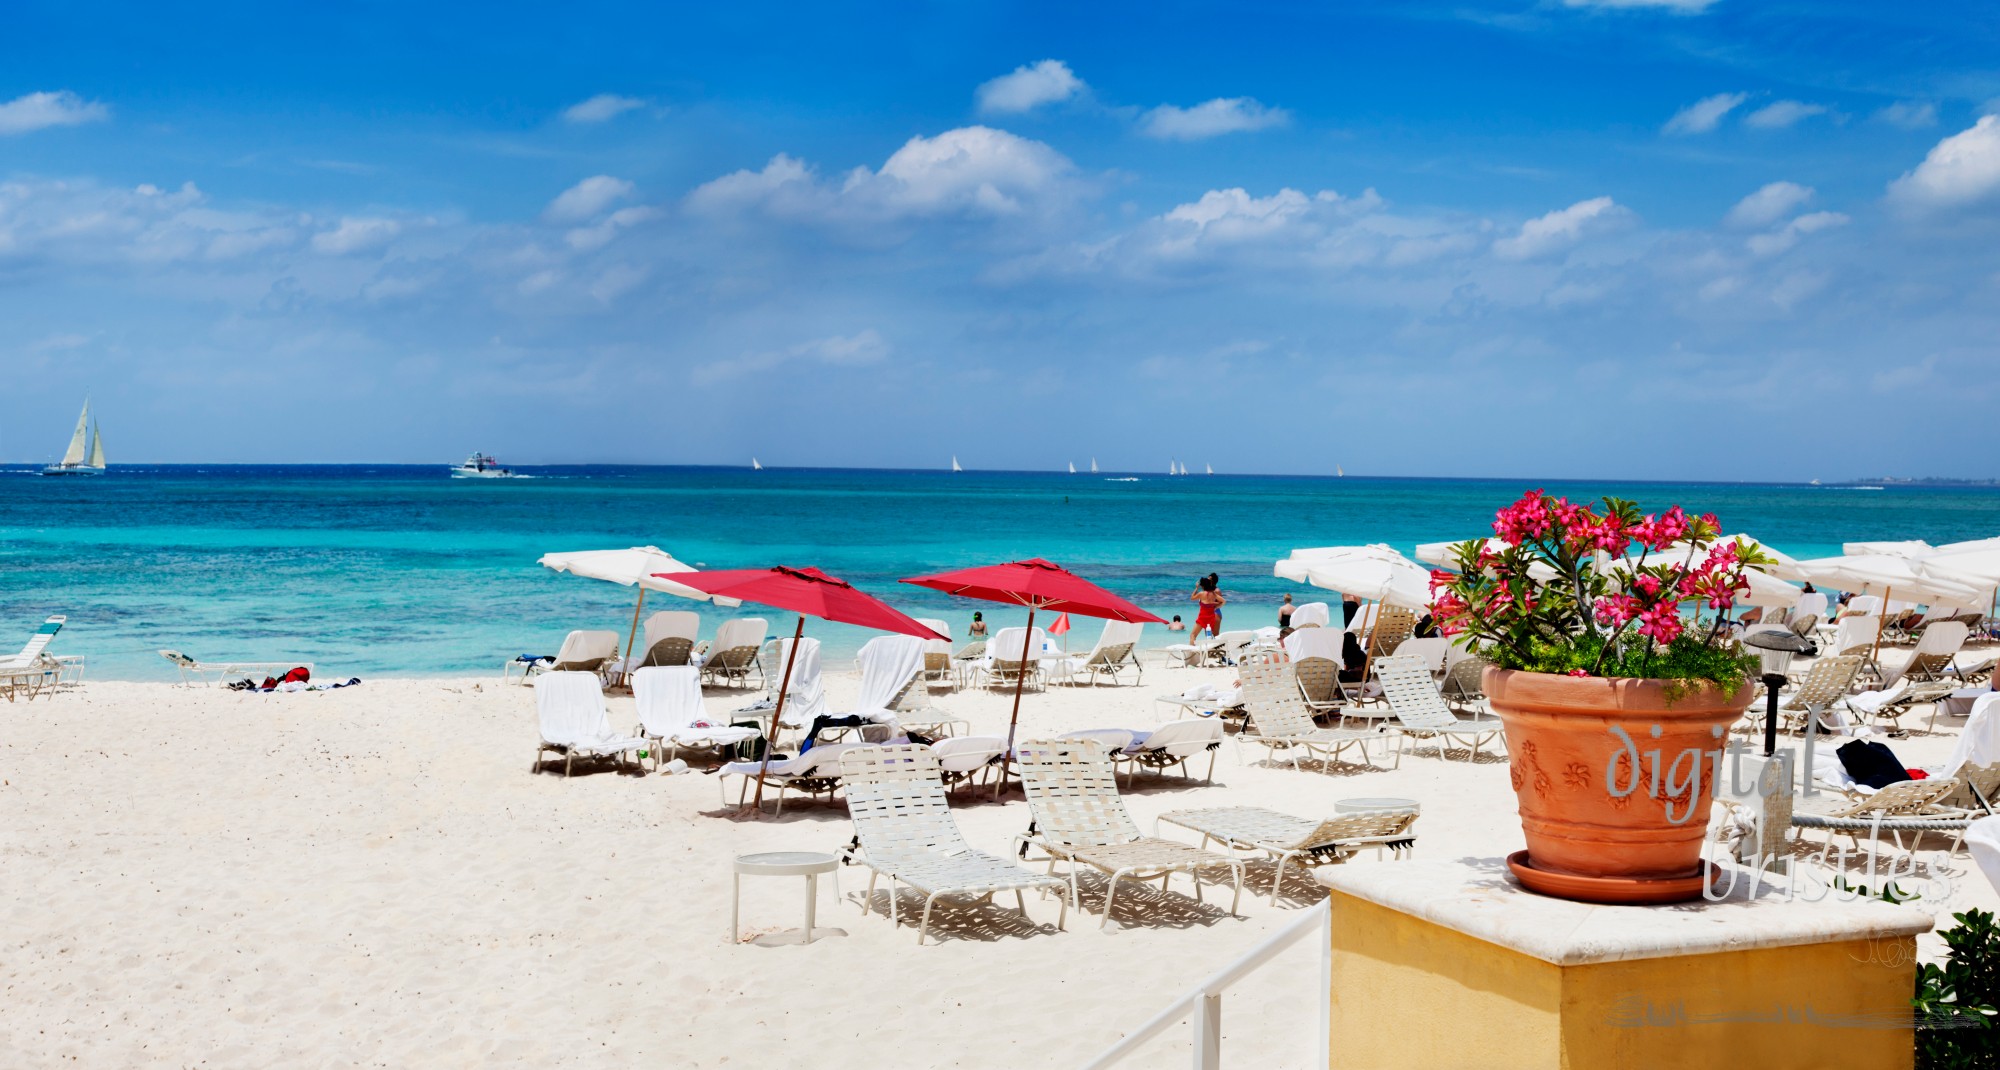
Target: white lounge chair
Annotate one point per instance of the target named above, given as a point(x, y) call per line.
point(938, 667)
point(732, 656)
point(1015, 652)
point(1432, 651)
point(1116, 650)
point(1421, 711)
point(814, 773)
point(1310, 843)
point(903, 830)
point(1982, 840)
point(1279, 721)
point(888, 665)
point(1924, 676)
point(671, 714)
point(970, 760)
point(1196, 651)
point(206, 673)
point(1312, 615)
point(1079, 819)
point(570, 706)
point(581, 651)
point(669, 639)
point(32, 669)
point(805, 694)
point(1169, 746)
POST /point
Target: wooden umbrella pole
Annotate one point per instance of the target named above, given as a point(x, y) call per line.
point(771, 738)
point(1020, 680)
point(633, 634)
point(1367, 655)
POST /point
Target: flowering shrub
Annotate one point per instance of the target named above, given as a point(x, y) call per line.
point(1599, 592)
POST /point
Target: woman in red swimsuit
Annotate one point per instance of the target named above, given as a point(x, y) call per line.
point(1211, 602)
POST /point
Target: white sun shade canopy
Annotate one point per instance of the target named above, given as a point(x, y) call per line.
point(633, 566)
point(1374, 573)
point(1899, 577)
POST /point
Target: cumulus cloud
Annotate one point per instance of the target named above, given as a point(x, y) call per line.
point(1768, 205)
point(38, 111)
point(1029, 87)
point(599, 234)
point(1558, 229)
point(1959, 170)
point(587, 198)
point(1704, 115)
point(973, 170)
point(1780, 114)
point(601, 108)
point(355, 235)
point(841, 351)
point(1678, 7)
point(1785, 237)
point(1910, 115)
point(1223, 115)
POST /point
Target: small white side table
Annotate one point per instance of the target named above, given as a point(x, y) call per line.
point(807, 864)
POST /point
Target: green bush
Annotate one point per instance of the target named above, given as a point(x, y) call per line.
point(1956, 1003)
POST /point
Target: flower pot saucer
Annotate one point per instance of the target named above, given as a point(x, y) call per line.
point(1617, 891)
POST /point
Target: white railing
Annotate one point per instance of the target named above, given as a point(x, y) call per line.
point(1203, 1002)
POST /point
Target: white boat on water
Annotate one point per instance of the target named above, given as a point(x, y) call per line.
point(954, 464)
point(1093, 466)
point(481, 466)
point(85, 456)
point(1210, 468)
point(755, 466)
point(1072, 468)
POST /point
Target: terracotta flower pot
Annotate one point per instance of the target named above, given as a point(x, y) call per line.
point(1614, 779)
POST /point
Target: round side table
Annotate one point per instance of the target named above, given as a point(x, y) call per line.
point(807, 864)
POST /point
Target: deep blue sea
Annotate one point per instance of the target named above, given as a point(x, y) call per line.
point(370, 569)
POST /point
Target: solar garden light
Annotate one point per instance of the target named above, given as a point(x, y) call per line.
point(1775, 648)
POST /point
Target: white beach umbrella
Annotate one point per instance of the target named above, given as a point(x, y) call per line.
point(1374, 573)
point(1888, 575)
point(634, 566)
point(1905, 548)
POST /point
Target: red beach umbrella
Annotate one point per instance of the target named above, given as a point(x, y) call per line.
point(1038, 585)
point(809, 593)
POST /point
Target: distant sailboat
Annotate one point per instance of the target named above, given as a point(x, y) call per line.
point(1093, 466)
point(1072, 468)
point(1184, 468)
point(1337, 471)
point(1172, 466)
point(1210, 468)
point(954, 463)
point(755, 466)
point(85, 455)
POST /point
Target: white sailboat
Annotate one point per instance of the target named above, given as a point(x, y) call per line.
point(1172, 466)
point(754, 466)
point(954, 463)
point(1337, 471)
point(85, 455)
point(1072, 468)
point(1210, 468)
point(1183, 468)
point(1093, 466)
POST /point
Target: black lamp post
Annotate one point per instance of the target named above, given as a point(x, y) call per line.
point(1776, 647)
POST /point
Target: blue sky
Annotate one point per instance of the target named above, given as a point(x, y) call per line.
point(1620, 239)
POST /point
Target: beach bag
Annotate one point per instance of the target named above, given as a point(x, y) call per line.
point(1872, 763)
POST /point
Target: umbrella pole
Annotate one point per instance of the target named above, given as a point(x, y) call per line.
point(1020, 680)
point(1367, 656)
point(633, 634)
point(771, 739)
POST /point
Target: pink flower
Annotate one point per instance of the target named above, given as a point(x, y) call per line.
point(1616, 609)
point(1579, 672)
point(1662, 624)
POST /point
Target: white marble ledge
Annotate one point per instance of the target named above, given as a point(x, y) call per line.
point(1478, 897)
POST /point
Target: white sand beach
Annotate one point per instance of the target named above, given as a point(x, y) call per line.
point(372, 876)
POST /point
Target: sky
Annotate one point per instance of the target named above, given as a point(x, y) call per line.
point(1647, 239)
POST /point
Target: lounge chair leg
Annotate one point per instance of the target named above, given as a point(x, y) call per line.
point(1020, 902)
point(1110, 896)
point(868, 898)
point(924, 926)
point(1236, 900)
point(895, 917)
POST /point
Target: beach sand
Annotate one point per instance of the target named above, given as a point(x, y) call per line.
point(372, 876)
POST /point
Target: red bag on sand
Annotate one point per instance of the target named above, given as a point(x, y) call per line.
point(298, 675)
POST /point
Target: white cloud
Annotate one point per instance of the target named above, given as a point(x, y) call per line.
point(354, 235)
point(1910, 115)
point(1551, 232)
point(37, 111)
point(1788, 235)
point(1768, 205)
point(973, 170)
point(1782, 113)
point(1678, 7)
point(1704, 114)
point(1029, 87)
point(850, 351)
point(598, 235)
point(1961, 169)
point(1233, 213)
point(601, 108)
point(1224, 115)
point(587, 198)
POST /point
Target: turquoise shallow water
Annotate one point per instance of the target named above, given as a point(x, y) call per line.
point(368, 570)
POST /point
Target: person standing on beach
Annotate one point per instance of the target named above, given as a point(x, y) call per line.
point(1211, 602)
point(978, 629)
point(1285, 613)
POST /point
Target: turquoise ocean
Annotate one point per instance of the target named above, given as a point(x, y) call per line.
point(376, 570)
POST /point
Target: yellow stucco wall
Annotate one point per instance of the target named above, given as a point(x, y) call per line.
point(1408, 993)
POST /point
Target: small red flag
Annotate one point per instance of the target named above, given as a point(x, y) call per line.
point(1061, 626)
